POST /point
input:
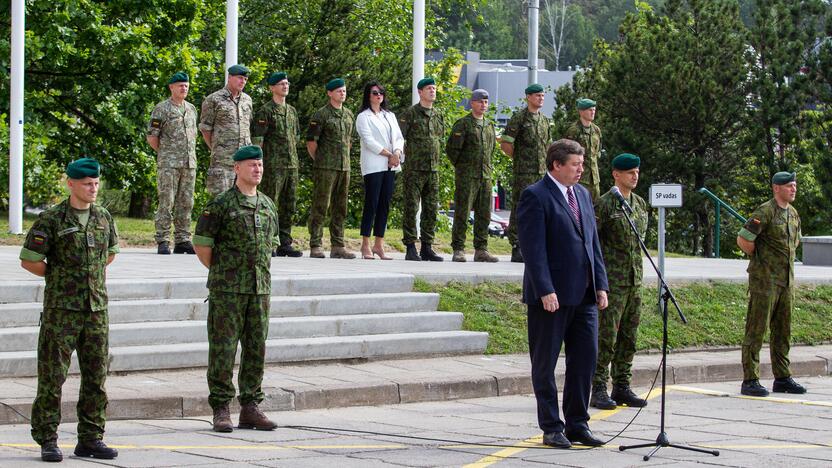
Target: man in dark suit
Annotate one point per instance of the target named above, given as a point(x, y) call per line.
point(564, 287)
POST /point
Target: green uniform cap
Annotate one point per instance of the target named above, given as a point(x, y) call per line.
point(783, 178)
point(276, 78)
point(534, 89)
point(237, 70)
point(584, 104)
point(179, 77)
point(248, 152)
point(335, 83)
point(424, 82)
point(84, 167)
point(625, 162)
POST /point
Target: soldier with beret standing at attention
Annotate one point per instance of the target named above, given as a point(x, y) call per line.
point(275, 128)
point(525, 141)
point(770, 237)
point(172, 134)
point(225, 124)
point(585, 132)
point(235, 237)
point(70, 245)
point(328, 142)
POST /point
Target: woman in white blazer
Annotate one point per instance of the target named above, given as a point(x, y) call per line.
point(382, 146)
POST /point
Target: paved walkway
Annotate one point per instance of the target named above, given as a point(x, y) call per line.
point(144, 263)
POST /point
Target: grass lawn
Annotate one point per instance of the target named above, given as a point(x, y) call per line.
point(715, 312)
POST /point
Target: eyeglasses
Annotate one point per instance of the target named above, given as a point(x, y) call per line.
point(376, 92)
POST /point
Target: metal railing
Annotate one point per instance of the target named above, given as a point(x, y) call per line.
point(718, 205)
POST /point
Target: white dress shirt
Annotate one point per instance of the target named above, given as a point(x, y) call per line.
point(377, 132)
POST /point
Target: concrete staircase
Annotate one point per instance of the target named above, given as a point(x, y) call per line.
point(160, 323)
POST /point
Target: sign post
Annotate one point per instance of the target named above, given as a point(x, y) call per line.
point(664, 196)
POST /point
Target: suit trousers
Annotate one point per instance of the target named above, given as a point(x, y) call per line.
point(378, 190)
point(576, 328)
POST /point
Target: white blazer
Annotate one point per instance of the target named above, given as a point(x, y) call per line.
point(377, 132)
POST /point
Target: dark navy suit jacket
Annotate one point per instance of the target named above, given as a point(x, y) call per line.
point(556, 255)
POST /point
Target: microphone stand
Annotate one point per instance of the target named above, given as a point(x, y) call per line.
point(667, 296)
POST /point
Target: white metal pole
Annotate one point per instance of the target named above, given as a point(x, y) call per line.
point(534, 14)
point(231, 29)
point(418, 45)
point(16, 120)
point(661, 246)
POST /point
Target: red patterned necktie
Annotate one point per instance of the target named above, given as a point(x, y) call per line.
point(573, 205)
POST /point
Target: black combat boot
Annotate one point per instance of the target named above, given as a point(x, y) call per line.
point(95, 449)
point(184, 248)
point(787, 385)
point(49, 451)
point(516, 255)
point(163, 248)
point(753, 388)
point(623, 395)
point(599, 398)
point(428, 255)
point(412, 254)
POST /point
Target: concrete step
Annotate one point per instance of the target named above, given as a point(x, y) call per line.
point(131, 311)
point(195, 331)
point(177, 356)
point(184, 288)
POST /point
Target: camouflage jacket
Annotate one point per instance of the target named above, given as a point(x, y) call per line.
point(242, 235)
point(590, 139)
point(333, 129)
point(176, 128)
point(776, 234)
point(622, 252)
point(471, 147)
point(76, 256)
point(276, 126)
point(229, 122)
point(423, 130)
point(531, 135)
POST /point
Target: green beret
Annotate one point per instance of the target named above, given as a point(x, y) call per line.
point(276, 78)
point(783, 178)
point(179, 77)
point(424, 82)
point(335, 83)
point(625, 162)
point(584, 104)
point(248, 152)
point(237, 70)
point(84, 167)
point(534, 89)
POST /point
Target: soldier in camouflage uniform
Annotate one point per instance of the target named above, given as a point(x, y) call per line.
point(172, 134)
point(225, 124)
point(618, 325)
point(275, 128)
point(423, 129)
point(470, 148)
point(525, 140)
point(71, 245)
point(235, 236)
point(589, 136)
point(328, 142)
point(770, 238)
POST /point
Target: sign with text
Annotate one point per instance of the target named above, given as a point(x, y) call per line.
point(666, 195)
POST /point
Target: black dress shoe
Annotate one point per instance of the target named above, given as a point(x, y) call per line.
point(163, 248)
point(287, 250)
point(623, 395)
point(753, 388)
point(787, 385)
point(49, 451)
point(556, 440)
point(516, 255)
point(95, 449)
point(584, 437)
point(412, 254)
point(184, 248)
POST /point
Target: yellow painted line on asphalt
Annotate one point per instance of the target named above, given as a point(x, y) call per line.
point(770, 399)
point(229, 447)
point(536, 441)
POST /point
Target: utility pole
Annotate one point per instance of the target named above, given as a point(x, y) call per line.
point(16, 119)
point(418, 45)
point(232, 13)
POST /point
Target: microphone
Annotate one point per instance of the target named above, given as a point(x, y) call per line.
point(617, 194)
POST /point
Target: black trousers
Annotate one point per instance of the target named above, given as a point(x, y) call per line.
point(378, 190)
point(575, 327)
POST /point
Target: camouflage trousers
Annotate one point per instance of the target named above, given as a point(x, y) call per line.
point(772, 309)
point(236, 318)
point(471, 194)
point(175, 186)
point(329, 192)
point(219, 179)
point(62, 332)
point(617, 333)
point(520, 182)
point(281, 185)
point(419, 186)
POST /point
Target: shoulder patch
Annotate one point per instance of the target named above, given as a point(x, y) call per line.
point(752, 225)
point(155, 123)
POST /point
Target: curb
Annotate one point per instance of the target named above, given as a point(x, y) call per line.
point(391, 393)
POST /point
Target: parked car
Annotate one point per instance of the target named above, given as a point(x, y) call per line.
point(497, 227)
